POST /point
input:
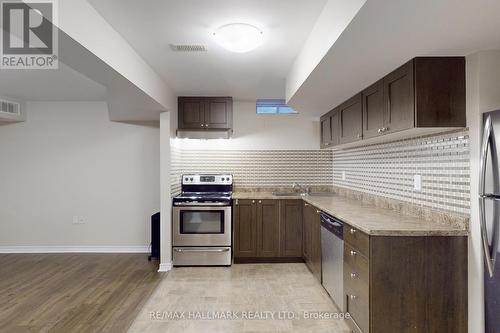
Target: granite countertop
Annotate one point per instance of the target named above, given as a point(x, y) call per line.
point(367, 217)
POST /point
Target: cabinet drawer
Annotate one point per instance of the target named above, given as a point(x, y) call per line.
point(355, 263)
point(357, 304)
point(357, 239)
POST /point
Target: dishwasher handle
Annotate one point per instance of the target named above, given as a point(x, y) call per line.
point(333, 225)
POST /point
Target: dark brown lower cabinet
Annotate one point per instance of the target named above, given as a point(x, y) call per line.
point(312, 240)
point(405, 284)
point(267, 230)
point(291, 228)
point(245, 228)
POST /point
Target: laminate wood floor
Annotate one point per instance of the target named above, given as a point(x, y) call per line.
point(73, 292)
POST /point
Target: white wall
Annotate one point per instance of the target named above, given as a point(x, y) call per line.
point(483, 94)
point(266, 132)
point(68, 159)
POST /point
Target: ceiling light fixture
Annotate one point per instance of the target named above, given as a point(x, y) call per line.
point(239, 37)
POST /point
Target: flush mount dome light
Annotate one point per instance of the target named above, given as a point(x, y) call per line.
point(239, 37)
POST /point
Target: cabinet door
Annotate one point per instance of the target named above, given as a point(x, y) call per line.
point(373, 110)
point(310, 217)
point(326, 130)
point(316, 244)
point(399, 99)
point(191, 113)
point(306, 236)
point(268, 233)
point(245, 228)
point(335, 127)
point(351, 118)
point(218, 113)
point(291, 228)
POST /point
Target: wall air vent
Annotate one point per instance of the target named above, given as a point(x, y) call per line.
point(11, 108)
point(188, 47)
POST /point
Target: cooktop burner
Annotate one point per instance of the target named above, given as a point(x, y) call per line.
point(205, 196)
point(206, 188)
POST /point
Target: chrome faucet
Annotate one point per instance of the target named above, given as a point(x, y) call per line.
point(303, 189)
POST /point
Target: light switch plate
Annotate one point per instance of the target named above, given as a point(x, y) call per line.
point(417, 183)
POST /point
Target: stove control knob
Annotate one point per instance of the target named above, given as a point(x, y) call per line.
point(186, 179)
point(191, 179)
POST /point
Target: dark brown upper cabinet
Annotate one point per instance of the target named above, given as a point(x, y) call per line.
point(207, 113)
point(423, 96)
point(350, 118)
point(330, 130)
point(326, 130)
point(373, 110)
point(399, 99)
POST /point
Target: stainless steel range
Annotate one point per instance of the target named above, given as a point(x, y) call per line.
point(202, 221)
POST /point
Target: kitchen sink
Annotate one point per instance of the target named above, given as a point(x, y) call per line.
point(287, 194)
point(298, 194)
point(321, 194)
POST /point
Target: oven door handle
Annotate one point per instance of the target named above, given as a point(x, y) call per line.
point(206, 204)
point(202, 250)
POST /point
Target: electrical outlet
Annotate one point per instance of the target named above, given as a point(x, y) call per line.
point(78, 219)
point(343, 175)
point(417, 183)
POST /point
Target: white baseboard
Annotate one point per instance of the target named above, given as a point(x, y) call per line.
point(74, 249)
point(165, 267)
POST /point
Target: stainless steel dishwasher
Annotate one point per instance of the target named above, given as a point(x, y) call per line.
point(332, 257)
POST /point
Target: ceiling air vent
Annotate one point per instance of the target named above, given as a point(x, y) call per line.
point(11, 108)
point(188, 47)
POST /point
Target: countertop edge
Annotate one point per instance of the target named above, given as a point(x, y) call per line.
point(447, 231)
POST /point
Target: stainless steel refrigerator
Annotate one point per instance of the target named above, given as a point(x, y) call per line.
point(489, 214)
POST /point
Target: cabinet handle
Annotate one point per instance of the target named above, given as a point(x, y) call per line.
point(379, 130)
point(353, 297)
point(306, 205)
point(318, 211)
point(253, 201)
point(202, 125)
point(236, 202)
point(353, 253)
point(260, 201)
point(353, 231)
point(354, 275)
point(206, 125)
point(359, 135)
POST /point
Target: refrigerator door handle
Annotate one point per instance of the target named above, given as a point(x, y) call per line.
point(489, 254)
point(488, 127)
point(488, 141)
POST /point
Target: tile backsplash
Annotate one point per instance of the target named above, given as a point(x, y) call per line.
point(389, 169)
point(385, 169)
point(255, 168)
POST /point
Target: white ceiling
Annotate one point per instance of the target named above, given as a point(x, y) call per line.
point(385, 34)
point(150, 26)
point(63, 84)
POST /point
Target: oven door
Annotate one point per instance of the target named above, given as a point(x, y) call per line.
point(201, 226)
